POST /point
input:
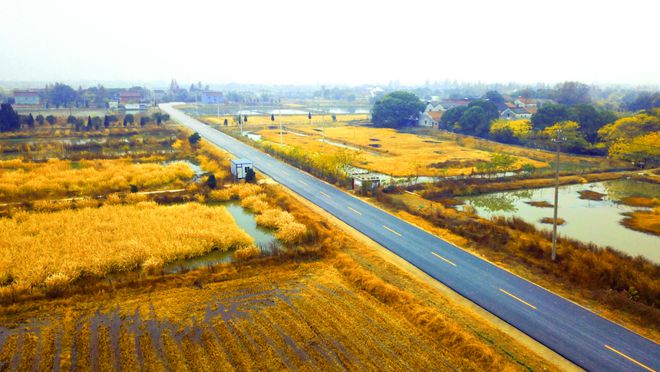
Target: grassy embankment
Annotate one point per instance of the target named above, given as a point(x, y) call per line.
point(297, 308)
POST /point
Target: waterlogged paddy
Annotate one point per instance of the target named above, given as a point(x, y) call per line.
point(586, 220)
point(263, 238)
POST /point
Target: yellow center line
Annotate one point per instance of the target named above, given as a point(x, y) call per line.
point(326, 195)
point(303, 182)
point(518, 298)
point(444, 259)
point(354, 210)
point(630, 359)
point(390, 230)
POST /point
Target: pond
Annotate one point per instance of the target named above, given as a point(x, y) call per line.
point(263, 238)
point(598, 222)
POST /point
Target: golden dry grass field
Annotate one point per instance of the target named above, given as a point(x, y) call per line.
point(22, 181)
point(321, 301)
point(383, 150)
point(410, 153)
point(56, 248)
point(265, 120)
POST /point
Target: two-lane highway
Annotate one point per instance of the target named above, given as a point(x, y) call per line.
point(581, 336)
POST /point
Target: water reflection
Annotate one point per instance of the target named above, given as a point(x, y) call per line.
point(586, 220)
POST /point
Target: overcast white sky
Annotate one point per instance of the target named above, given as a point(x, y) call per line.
point(331, 42)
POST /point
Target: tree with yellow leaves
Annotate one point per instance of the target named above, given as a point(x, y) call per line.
point(510, 131)
point(570, 135)
point(635, 138)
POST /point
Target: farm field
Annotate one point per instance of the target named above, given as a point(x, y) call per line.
point(418, 152)
point(82, 284)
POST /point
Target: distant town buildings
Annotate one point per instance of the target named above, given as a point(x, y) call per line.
point(27, 98)
point(130, 100)
point(211, 97)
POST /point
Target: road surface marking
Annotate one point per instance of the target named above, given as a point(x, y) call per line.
point(444, 259)
point(326, 195)
point(390, 230)
point(303, 182)
point(630, 359)
point(354, 210)
point(518, 298)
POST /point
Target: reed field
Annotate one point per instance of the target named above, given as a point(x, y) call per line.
point(21, 181)
point(37, 247)
point(82, 283)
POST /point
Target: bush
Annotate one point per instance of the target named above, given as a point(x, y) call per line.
point(255, 203)
point(291, 233)
point(274, 218)
point(194, 138)
point(246, 253)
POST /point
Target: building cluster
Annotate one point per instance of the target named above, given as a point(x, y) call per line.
point(512, 109)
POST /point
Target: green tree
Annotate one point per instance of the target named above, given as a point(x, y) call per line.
point(250, 176)
point(51, 119)
point(475, 121)
point(89, 123)
point(548, 115)
point(226, 122)
point(494, 97)
point(40, 119)
point(129, 119)
point(211, 182)
point(590, 119)
point(157, 117)
point(71, 120)
point(489, 108)
point(572, 93)
point(502, 162)
point(62, 95)
point(106, 122)
point(644, 101)
point(451, 118)
point(194, 138)
point(9, 119)
point(396, 109)
point(96, 122)
point(30, 121)
point(144, 120)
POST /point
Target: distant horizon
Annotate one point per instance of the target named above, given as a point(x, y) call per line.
point(165, 84)
point(343, 42)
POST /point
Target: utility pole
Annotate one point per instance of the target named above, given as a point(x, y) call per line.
point(558, 140)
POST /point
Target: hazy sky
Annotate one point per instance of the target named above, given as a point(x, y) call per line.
point(331, 42)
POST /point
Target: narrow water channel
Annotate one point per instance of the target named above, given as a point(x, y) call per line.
point(263, 238)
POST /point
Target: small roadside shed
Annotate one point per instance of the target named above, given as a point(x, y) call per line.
point(240, 167)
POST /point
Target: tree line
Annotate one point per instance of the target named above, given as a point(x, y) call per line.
point(10, 120)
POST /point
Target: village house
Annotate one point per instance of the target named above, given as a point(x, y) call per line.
point(515, 113)
point(430, 119)
point(130, 100)
point(212, 97)
point(27, 98)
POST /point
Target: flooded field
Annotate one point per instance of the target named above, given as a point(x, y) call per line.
point(586, 220)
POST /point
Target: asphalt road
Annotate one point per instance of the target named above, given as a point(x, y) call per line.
point(579, 335)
